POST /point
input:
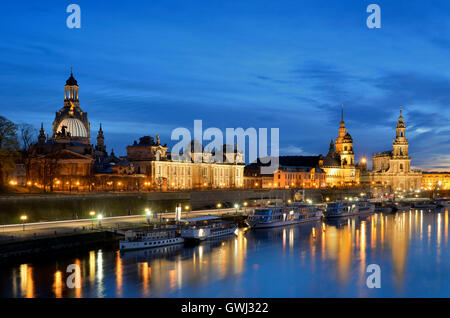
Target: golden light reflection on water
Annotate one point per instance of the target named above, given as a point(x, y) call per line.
point(119, 274)
point(58, 284)
point(26, 281)
point(340, 248)
point(79, 278)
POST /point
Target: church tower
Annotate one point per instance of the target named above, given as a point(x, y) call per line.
point(100, 141)
point(41, 138)
point(344, 144)
point(400, 147)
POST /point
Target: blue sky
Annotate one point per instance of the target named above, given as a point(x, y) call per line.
point(147, 67)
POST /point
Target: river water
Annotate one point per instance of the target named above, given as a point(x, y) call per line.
point(321, 259)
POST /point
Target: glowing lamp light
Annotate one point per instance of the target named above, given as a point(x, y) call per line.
point(100, 217)
point(92, 213)
point(219, 205)
point(245, 203)
point(23, 218)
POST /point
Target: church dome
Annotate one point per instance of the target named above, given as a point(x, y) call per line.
point(74, 126)
point(348, 138)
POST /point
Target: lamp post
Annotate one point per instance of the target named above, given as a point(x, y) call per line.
point(236, 206)
point(92, 214)
point(23, 218)
point(100, 217)
point(148, 213)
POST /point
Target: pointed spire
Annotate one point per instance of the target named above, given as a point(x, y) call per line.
point(71, 71)
point(41, 137)
point(342, 112)
point(100, 127)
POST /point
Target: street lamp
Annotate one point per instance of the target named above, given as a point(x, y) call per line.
point(236, 206)
point(219, 205)
point(100, 217)
point(92, 214)
point(148, 213)
point(23, 218)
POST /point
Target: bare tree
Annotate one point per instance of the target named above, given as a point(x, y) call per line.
point(49, 170)
point(28, 135)
point(8, 146)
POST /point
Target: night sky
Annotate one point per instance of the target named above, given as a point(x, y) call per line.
point(147, 67)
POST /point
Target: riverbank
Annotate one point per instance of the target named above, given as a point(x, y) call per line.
point(18, 241)
point(63, 243)
point(56, 207)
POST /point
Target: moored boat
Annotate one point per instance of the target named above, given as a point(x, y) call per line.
point(443, 203)
point(196, 232)
point(341, 209)
point(365, 207)
point(139, 239)
point(425, 206)
point(282, 216)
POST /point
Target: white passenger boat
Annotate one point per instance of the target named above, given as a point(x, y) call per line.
point(281, 216)
point(138, 239)
point(341, 209)
point(196, 232)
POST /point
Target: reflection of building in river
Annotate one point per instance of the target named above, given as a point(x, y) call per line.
point(339, 249)
point(160, 274)
point(398, 229)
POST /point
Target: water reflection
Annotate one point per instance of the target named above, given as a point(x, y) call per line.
point(318, 259)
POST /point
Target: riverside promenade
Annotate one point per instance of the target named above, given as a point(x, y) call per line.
point(30, 231)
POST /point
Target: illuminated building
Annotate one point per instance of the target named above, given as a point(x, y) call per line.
point(339, 163)
point(392, 169)
point(196, 170)
point(436, 180)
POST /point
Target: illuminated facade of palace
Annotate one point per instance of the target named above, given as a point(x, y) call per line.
point(393, 168)
point(195, 171)
point(339, 163)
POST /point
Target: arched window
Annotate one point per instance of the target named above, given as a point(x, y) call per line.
point(401, 167)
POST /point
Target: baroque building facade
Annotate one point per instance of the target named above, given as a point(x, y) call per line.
point(392, 169)
point(195, 170)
